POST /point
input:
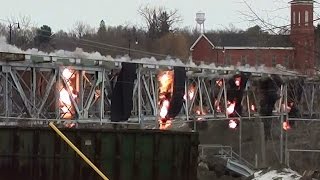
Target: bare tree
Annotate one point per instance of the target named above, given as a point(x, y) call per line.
point(159, 20)
point(23, 21)
point(81, 29)
point(265, 22)
point(3, 29)
point(22, 31)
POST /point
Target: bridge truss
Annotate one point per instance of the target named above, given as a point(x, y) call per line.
point(30, 89)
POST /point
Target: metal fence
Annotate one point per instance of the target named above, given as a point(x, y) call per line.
point(302, 145)
point(224, 152)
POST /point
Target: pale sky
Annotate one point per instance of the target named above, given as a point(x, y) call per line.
point(62, 14)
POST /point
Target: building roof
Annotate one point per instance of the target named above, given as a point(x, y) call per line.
point(245, 40)
point(302, 1)
point(198, 39)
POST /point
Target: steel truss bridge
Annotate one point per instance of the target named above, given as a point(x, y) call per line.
point(30, 87)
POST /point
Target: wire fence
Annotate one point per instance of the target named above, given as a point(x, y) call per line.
point(302, 145)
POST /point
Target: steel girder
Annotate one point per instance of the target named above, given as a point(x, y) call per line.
point(31, 90)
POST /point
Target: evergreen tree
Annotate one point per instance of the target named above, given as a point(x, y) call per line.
point(102, 31)
point(164, 24)
point(43, 35)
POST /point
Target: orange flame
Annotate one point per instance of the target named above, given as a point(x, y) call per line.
point(166, 81)
point(65, 99)
point(218, 109)
point(66, 73)
point(253, 108)
point(288, 108)
point(219, 82)
point(286, 126)
point(165, 92)
point(165, 124)
point(164, 108)
point(191, 92)
point(200, 112)
point(217, 105)
point(230, 107)
point(233, 123)
point(237, 81)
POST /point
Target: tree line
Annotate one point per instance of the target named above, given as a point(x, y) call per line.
point(159, 38)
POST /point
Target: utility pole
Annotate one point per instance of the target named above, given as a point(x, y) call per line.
point(129, 45)
point(10, 30)
point(132, 34)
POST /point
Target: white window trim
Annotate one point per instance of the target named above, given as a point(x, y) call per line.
point(299, 18)
point(306, 17)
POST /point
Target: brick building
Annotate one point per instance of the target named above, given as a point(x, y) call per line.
point(294, 51)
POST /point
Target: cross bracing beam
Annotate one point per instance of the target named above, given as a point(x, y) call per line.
point(49, 86)
point(21, 92)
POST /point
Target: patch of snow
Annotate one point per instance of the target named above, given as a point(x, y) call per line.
point(34, 51)
point(4, 47)
point(203, 65)
point(77, 53)
point(203, 166)
point(169, 61)
point(191, 63)
point(284, 174)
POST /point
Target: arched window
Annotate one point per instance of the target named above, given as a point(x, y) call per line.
point(294, 17)
point(306, 17)
point(299, 18)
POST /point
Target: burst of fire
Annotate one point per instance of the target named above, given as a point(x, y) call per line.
point(66, 73)
point(164, 108)
point(166, 81)
point(165, 124)
point(233, 123)
point(290, 104)
point(219, 82)
point(65, 99)
point(286, 126)
point(230, 107)
point(217, 105)
point(70, 125)
point(97, 94)
point(165, 92)
point(200, 112)
point(287, 108)
point(253, 108)
point(218, 109)
point(191, 92)
point(237, 81)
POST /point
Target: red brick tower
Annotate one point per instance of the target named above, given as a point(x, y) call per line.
point(302, 35)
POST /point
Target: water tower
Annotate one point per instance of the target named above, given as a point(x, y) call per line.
point(200, 18)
